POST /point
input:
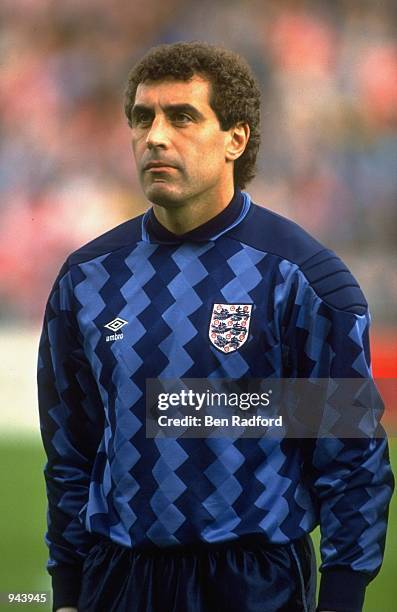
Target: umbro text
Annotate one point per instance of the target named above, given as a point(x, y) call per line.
point(114, 337)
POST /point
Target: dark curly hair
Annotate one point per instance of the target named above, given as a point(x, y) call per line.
point(235, 96)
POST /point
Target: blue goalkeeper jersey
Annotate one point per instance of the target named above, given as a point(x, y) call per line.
point(137, 303)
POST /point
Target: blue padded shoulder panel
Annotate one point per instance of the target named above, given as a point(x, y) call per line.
point(334, 283)
point(327, 274)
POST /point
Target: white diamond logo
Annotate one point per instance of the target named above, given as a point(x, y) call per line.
point(116, 324)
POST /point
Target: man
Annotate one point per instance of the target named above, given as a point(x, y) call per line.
point(193, 525)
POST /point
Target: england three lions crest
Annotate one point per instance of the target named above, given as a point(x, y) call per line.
point(229, 326)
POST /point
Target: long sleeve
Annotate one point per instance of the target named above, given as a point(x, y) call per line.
point(71, 418)
point(350, 478)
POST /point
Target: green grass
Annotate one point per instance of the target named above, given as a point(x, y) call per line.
point(23, 510)
point(23, 507)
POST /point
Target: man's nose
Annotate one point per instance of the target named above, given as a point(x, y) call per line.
point(158, 135)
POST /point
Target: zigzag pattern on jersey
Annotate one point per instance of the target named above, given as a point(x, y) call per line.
point(360, 503)
point(117, 481)
point(167, 294)
point(307, 330)
point(184, 489)
point(345, 354)
point(71, 406)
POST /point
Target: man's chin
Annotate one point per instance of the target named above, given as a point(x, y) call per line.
point(162, 194)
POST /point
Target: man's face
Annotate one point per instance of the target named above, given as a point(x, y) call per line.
point(179, 147)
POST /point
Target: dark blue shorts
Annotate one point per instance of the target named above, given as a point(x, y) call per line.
point(245, 575)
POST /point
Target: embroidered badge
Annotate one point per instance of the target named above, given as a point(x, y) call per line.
point(229, 326)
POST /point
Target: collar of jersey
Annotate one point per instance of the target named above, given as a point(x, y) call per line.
point(153, 231)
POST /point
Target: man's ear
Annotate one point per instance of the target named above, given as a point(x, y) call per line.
point(237, 141)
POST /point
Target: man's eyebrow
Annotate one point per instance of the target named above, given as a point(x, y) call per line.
point(170, 108)
point(184, 108)
point(140, 107)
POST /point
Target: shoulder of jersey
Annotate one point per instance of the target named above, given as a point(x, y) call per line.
point(329, 277)
point(124, 234)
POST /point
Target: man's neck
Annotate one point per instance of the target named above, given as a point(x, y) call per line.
point(192, 214)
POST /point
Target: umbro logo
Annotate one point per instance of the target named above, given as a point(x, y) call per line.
point(114, 326)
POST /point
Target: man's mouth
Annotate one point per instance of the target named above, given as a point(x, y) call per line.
point(158, 166)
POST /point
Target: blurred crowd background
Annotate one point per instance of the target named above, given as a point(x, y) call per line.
point(328, 73)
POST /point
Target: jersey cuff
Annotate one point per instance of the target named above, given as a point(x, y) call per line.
point(342, 590)
point(66, 585)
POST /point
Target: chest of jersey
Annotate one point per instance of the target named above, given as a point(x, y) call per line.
point(193, 310)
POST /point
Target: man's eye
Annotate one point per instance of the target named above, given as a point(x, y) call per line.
point(181, 118)
point(141, 119)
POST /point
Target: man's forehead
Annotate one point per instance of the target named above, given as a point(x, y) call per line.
point(195, 91)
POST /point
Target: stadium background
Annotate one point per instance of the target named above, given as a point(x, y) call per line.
point(328, 75)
